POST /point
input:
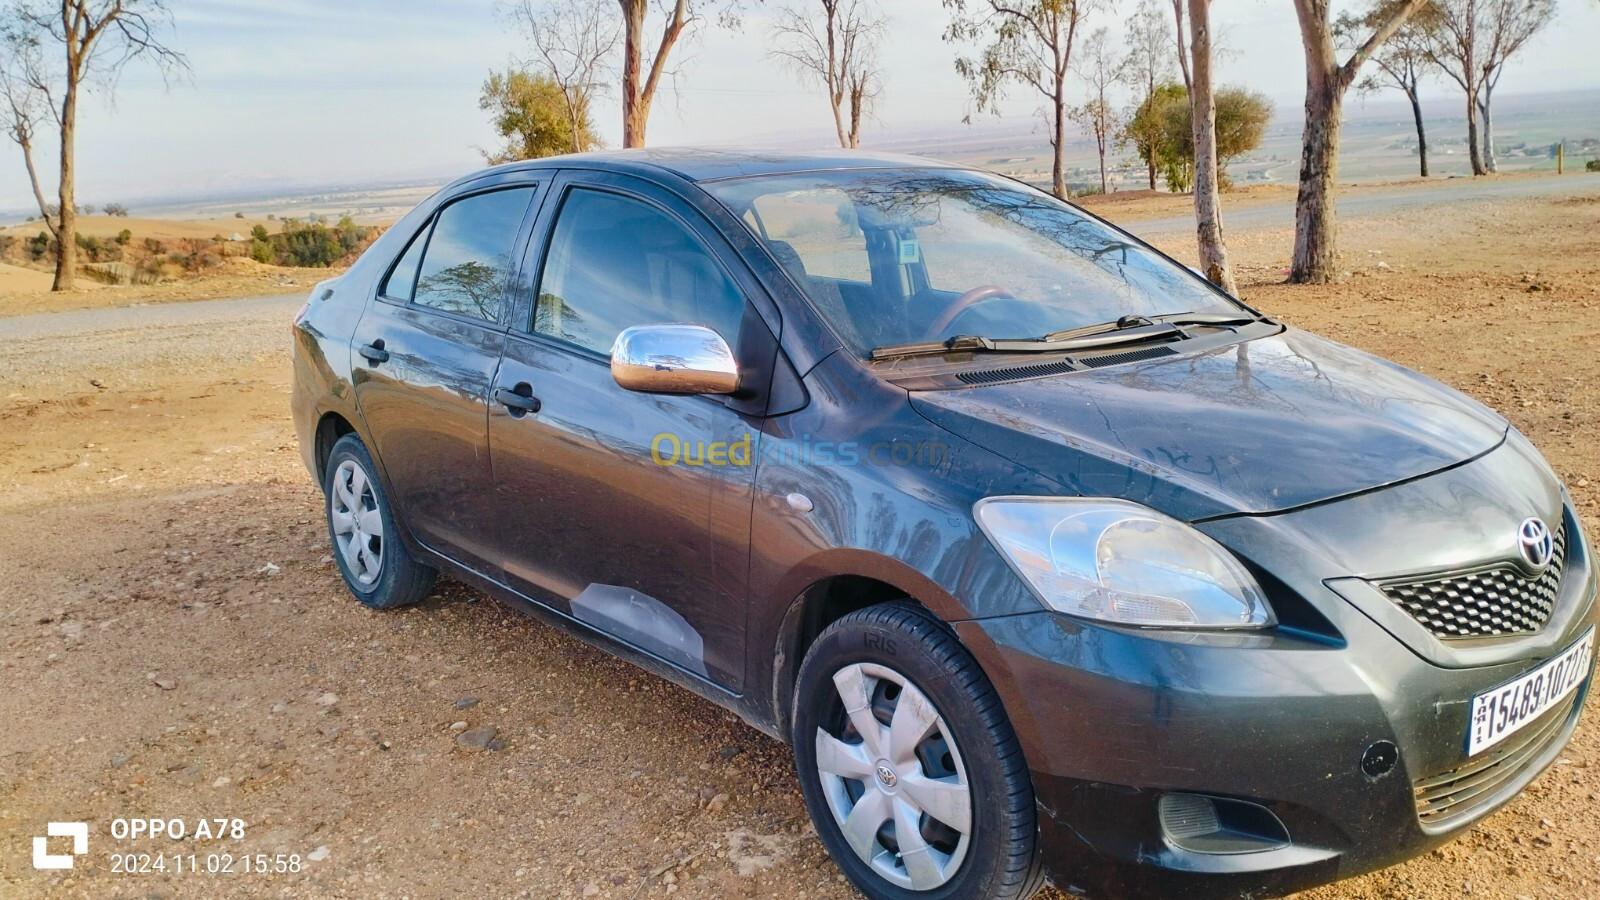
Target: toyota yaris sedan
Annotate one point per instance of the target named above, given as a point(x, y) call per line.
point(1051, 561)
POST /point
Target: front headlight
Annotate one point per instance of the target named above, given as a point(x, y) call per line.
point(1123, 563)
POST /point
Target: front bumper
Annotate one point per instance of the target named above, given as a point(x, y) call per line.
point(1112, 719)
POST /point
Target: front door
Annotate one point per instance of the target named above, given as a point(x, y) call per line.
point(629, 511)
point(424, 356)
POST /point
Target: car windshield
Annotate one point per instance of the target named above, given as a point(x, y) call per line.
point(897, 256)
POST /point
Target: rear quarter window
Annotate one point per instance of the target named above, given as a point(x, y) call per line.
point(461, 261)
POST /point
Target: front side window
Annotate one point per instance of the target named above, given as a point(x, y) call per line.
point(462, 266)
point(615, 262)
point(905, 255)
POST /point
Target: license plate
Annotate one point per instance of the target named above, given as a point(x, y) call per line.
point(1501, 712)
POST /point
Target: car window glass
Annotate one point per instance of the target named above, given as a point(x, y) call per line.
point(821, 228)
point(615, 262)
point(951, 252)
point(468, 258)
point(403, 277)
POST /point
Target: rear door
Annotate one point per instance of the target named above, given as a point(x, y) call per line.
point(629, 511)
point(424, 356)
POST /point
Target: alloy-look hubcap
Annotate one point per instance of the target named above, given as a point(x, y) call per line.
point(894, 780)
point(357, 522)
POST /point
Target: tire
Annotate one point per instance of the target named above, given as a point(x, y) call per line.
point(374, 561)
point(898, 658)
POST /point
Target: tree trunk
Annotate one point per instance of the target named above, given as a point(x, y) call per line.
point(1150, 166)
point(1488, 129)
point(1183, 54)
point(1422, 137)
point(1100, 145)
point(1058, 143)
point(1474, 149)
point(67, 221)
point(857, 99)
point(26, 142)
point(1315, 223)
point(633, 116)
point(833, 78)
point(1207, 208)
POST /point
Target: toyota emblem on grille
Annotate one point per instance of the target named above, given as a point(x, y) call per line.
point(1536, 544)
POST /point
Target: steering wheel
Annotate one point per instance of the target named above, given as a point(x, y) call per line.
point(964, 303)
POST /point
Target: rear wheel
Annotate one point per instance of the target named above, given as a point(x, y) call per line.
point(375, 564)
point(910, 769)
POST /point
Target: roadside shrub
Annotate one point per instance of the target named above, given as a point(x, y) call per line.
point(148, 270)
point(93, 250)
point(238, 215)
point(39, 246)
point(310, 244)
point(154, 247)
point(123, 237)
point(1592, 165)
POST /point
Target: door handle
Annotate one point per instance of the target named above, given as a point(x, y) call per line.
point(374, 352)
point(519, 400)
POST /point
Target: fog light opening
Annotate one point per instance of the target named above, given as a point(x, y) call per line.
point(1219, 825)
point(1379, 759)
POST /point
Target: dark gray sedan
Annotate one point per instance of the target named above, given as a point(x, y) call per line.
point(1049, 559)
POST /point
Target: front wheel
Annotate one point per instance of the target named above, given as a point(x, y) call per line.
point(376, 566)
point(910, 768)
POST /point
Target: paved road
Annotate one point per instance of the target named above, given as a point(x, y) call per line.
point(1367, 203)
point(51, 354)
point(199, 312)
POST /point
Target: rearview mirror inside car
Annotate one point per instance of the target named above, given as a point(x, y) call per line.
point(674, 359)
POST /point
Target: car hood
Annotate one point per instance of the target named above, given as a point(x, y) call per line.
point(1255, 427)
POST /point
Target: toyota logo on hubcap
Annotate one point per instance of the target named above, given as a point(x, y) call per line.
point(887, 776)
point(1536, 544)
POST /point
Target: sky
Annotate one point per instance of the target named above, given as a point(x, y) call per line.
point(311, 92)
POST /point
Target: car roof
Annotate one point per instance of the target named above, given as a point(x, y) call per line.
point(700, 164)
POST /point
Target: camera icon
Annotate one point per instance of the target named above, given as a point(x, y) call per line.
point(78, 831)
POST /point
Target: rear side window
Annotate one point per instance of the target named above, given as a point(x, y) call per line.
point(462, 265)
point(403, 277)
point(615, 262)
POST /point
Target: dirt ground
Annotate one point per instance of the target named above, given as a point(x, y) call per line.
point(175, 641)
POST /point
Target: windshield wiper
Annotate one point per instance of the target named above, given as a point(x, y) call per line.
point(1126, 330)
point(970, 344)
point(1127, 322)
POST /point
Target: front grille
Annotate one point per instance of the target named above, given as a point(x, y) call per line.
point(1485, 603)
point(1465, 790)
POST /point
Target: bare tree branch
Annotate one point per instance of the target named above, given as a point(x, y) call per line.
point(1028, 42)
point(838, 50)
point(574, 43)
point(95, 40)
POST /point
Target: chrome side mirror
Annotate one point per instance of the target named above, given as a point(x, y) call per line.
point(674, 359)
